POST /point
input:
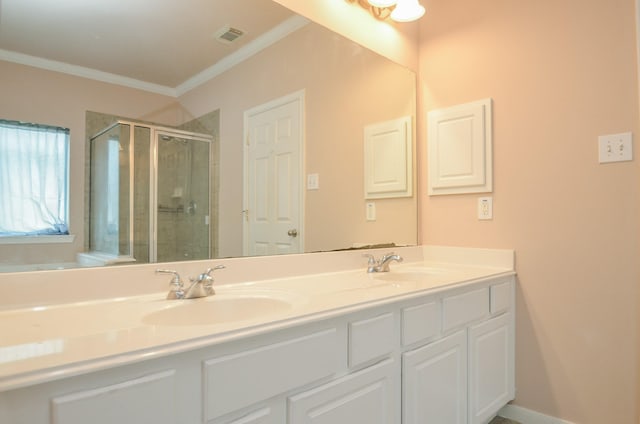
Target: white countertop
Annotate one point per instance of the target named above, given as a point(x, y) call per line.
point(46, 342)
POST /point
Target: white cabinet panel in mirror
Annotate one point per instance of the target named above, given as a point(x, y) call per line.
point(159, 66)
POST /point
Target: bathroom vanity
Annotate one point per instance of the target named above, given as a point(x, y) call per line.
point(430, 341)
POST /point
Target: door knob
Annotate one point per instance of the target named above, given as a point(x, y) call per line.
point(292, 233)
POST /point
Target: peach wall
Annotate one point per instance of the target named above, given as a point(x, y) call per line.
point(36, 95)
point(560, 74)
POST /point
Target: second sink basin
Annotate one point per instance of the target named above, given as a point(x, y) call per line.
point(220, 308)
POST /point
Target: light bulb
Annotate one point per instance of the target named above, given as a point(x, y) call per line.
point(382, 3)
point(407, 11)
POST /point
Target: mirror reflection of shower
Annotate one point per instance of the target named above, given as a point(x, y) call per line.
point(150, 194)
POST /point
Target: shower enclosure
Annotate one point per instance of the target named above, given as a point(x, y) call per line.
point(149, 194)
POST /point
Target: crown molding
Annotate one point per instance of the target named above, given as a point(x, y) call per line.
point(81, 71)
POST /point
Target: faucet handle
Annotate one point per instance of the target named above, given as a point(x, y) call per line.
point(206, 276)
point(176, 277)
point(177, 288)
point(207, 280)
point(372, 259)
point(371, 263)
point(208, 272)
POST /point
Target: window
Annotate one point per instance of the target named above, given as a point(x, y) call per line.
point(34, 179)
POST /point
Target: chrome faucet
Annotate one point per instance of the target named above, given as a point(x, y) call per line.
point(381, 265)
point(199, 287)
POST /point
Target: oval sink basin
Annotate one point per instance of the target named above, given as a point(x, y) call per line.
point(218, 308)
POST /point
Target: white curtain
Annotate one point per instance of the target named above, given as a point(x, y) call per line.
point(34, 179)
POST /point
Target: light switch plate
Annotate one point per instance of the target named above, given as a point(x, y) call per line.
point(313, 182)
point(615, 147)
point(371, 211)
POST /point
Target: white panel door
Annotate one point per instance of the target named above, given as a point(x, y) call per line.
point(491, 372)
point(273, 177)
point(434, 382)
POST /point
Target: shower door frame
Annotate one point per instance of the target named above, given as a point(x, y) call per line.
point(130, 257)
point(154, 132)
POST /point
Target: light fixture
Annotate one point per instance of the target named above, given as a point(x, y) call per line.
point(407, 11)
point(382, 3)
point(398, 10)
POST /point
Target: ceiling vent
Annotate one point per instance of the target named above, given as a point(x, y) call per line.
point(228, 34)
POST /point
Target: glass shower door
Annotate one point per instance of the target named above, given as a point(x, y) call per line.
point(109, 230)
point(182, 198)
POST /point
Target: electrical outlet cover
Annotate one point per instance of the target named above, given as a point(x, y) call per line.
point(485, 208)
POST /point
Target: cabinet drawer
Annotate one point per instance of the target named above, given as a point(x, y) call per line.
point(263, 415)
point(370, 339)
point(367, 396)
point(464, 308)
point(145, 399)
point(500, 298)
point(420, 322)
point(239, 380)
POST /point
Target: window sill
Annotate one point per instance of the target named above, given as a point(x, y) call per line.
point(38, 239)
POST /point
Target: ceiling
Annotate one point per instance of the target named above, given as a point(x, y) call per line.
point(160, 42)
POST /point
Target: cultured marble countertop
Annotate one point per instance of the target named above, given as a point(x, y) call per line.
point(52, 341)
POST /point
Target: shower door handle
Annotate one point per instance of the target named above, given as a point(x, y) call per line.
point(292, 233)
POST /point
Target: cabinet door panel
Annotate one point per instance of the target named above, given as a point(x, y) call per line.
point(434, 382)
point(368, 396)
point(491, 376)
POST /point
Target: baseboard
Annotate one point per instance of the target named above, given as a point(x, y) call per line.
point(527, 416)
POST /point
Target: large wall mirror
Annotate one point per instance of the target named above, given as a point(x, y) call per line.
point(170, 73)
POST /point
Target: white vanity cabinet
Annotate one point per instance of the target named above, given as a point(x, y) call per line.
point(432, 357)
point(467, 374)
